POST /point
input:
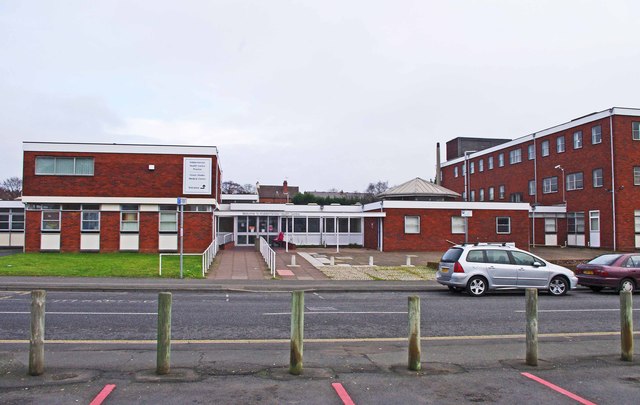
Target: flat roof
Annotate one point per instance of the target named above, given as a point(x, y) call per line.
point(31, 146)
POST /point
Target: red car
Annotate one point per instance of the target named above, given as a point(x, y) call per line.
point(618, 271)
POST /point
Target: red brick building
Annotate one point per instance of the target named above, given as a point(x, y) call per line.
point(590, 165)
point(111, 197)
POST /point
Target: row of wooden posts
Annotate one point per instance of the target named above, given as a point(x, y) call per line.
point(163, 363)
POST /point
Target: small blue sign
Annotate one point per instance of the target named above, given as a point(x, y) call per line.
point(182, 201)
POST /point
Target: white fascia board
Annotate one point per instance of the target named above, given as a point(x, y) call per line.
point(342, 208)
point(112, 200)
point(186, 150)
point(549, 131)
point(455, 205)
point(239, 197)
point(549, 209)
point(11, 204)
point(373, 206)
point(296, 214)
point(256, 207)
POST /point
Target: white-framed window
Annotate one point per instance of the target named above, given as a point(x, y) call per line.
point(457, 225)
point(532, 187)
point(544, 148)
point(503, 225)
point(473, 195)
point(90, 218)
point(412, 224)
point(51, 217)
point(560, 144)
point(472, 167)
point(550, 185)
point(11, 219)
point(596, 134)
point(490, 163)
point(636, 175)
point(129, 218)
point(575, 181)
point(500, 159)
point(168, 218)
point(575, 223)
point(481, 194)
point(515, 156)
point(501, 192)
point(531, 151)
point(491, 193)
point(64, 166)
point(635, 131)
point(481, 165)
point(598, 180)
point(636, 221)
point(455, 171)
point(550, 225)
point(577, 140)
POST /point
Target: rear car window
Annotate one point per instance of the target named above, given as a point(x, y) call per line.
point(498, 256)
point(606, 260)
point(475, 256)
point(452, 255)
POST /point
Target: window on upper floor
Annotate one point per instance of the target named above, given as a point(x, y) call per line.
point(515, 197)
point(490, 163)
point(472, 167)
point(575, 181)
point(636, 175)
point(501, 160)
point(515, 156)
point(455, 171)
point(501, 192)
point(532, 187)
point(577, 140)
point(491, 193)
point(481, 165)
point(64, 166)
point(550, 185)
point(544, 148)
point(635, 131)
point(560, 145)
point(531, 151)
point(596, 134)
point(598, 180)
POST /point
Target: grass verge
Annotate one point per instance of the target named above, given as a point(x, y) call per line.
point(98, 265)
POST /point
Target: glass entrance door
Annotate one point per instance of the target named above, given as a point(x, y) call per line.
point(249, 228)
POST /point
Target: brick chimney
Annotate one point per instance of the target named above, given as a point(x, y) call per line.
point(285, 187)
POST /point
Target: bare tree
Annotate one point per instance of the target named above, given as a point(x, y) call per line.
point(231, 187)
point(11, 188)
point(377, 188)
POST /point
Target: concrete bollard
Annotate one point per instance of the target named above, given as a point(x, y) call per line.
point(164, 333)
point(297, 332)
point(370, 260)
point(414, 334)
point(36, 342)
point(626, 325)
point(532, 326)
point(332, 261)
point(293, 260)
point(408, 261)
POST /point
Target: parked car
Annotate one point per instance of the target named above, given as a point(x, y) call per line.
point(618, 271)
point(480, 267)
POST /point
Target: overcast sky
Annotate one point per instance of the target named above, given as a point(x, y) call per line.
point(326, 94)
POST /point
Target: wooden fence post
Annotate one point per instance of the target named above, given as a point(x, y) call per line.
point(414, 333)
point(164, 333)
point(297, 332)
point(532, 326)
point(626, 325)
point(36, 342)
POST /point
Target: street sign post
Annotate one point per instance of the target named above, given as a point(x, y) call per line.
point(182, 201)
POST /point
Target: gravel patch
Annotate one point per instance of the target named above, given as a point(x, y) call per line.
point(378, 273)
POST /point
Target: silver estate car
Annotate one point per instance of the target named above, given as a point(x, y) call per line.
point(480, 267)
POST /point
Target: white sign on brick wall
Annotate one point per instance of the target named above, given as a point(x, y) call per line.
point(196, 176)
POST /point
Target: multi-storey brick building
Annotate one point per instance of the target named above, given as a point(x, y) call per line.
point(590, 166)
point(110, 197)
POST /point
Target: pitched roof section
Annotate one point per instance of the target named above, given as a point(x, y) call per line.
point(418, 188)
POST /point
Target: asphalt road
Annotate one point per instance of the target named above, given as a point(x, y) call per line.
point(127, 315)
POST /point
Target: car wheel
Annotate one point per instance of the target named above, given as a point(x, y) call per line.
point(455, 289)
point(595, 289)
point(627, 285)
point(558, 286)
point(477, 286)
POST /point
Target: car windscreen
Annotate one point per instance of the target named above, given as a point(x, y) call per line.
point(452, 255)
point(605, 260)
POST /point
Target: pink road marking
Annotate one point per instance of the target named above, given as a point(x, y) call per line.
point(342, 393)
point(558, 389)
point(103, 394)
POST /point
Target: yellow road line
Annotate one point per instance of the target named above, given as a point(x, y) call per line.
point(336, 340)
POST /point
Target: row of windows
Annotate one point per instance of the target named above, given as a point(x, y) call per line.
point(64, 166)
point(458, 225)
point(11, 219)
point(298, 225)
point(515, 155)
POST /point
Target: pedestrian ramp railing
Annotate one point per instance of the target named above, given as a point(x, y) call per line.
point(224, 238)
point(207, 257)
point(269, 256)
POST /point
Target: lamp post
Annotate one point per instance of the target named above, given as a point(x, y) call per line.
point(564, 200)
point(467, 181)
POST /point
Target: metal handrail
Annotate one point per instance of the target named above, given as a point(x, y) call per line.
point(224, 238)
point(269, 256)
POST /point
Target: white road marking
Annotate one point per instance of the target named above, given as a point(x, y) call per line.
point(575, 310)
point(337, 312)
point(79, 313)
